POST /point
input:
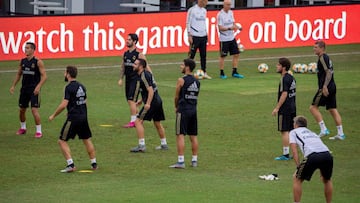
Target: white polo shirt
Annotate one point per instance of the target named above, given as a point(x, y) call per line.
point(226, 19)
point(196, 21)
point(308, 141)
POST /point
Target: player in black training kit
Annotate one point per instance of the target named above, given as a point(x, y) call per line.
point(33, 74)
point(130, 76)
point(76, 122)
point(286, 106)
point(152, 109)
point(186, 96)
point(326, 93)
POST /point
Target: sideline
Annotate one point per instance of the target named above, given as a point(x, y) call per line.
point(208, 61)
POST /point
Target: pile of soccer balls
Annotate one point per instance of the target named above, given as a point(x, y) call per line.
point(304, 68)
point(296, 68)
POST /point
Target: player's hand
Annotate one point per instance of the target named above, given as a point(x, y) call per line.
point(12, 89)
point(36, 90)
point(120, 82)
point(190, 39)
point(325, 91)
point(275, 111)
point(147, 106)
point(51, 117)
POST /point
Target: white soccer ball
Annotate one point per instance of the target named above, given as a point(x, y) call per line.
point(263, 67)
point(312, 67)
point(199, 74)
point(303, 68)
point(296, 67)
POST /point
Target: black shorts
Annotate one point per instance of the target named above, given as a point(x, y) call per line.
point(26, 96)
point(229, 46)
point(320, 160)
point(186, 123)
point(71, 128)
point(286, 121)
point(155, 113)
point(131, 89)
point(329, 101)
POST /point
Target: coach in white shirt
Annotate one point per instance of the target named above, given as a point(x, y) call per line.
point(228, 44)
point(197, 32)
point(316, 156)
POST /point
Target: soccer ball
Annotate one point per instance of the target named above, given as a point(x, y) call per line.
point(241, 47)
point(296, 67)
point(263, 67)
point(303, 68)
point(199, 74)
point(312, 67)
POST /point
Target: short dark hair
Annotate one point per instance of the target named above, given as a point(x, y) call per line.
point(134, 37)
point(300, 121)
point(142, 62)
point(32, 45)
point(190, 63)
point(72, 71)
point(285, 62)
point(321, 44)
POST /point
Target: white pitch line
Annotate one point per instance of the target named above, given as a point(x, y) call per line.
point(178, 63)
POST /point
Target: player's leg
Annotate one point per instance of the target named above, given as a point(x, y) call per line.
point(235, 53)
point(68, 131)
point(24, 100)
point(194, 149)
point(180, 145)
point(85, 135)
point(328, 188)
point(180, 129)
point(284, 128)
point(326, 168)
point(91, 152)
point(202, 50)
point(130, 93)
point(161, 132)
point(319, 100)
point(223, 53)
point(297, 189)
point(35, 105)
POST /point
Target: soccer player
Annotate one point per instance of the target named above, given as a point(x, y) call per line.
point(286, 106)
point(186, 96)
point(76, 122)
point(152, 109)
point(228, 44)
point(316, 156)
point(197, 32)
point(33, 74)
point(326, 93)
point(130, 75)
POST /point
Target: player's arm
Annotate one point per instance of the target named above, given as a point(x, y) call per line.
point(328, 76)
point(188, 25)
point(122, 72)
point(221, 26)
point(179, 85)
point(147, 68)
point(16, 79)
point(150, 90)
point(41, 66)
point(59, 109)
point(295, 153)
point(281, 101)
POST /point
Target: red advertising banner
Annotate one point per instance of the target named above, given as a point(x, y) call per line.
point(105, 35)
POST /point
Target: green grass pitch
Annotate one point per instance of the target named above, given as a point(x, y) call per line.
point(238, 136)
